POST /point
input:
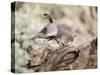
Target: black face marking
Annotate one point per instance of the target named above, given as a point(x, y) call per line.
point(50, 20)
point(44, 31)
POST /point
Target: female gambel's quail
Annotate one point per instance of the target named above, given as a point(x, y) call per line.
point(55, 31)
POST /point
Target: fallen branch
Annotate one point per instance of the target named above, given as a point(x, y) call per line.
point(66, 58)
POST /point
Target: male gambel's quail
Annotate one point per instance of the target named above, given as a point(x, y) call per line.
point(54, 31)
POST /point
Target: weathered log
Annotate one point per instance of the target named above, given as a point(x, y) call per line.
point(68, 57)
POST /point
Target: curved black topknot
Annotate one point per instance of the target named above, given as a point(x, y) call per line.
point(49, 18)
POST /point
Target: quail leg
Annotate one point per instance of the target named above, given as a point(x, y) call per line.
point(60, 44)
